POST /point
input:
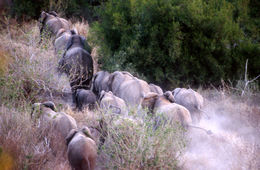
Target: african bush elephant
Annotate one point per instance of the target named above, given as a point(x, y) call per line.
point(100, 82)
point(164, 104)
point(116, 79)
point(127, 87)
point(52, 23)
point(190, 99)
point(62, 39)
point(133, 91)
point(85, 98)
point(82, 149)
point(47, 115)
point(156, 89)
point(112, 103)
point(77, 64)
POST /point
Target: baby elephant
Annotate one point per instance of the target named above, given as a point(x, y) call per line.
point(85, 98)
point(112, 103)
point(47, 115)
point(82, 149)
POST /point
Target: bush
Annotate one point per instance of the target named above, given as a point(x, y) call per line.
point(31, 67)
point(133, 143)
point(174, 42)
point(29, 9)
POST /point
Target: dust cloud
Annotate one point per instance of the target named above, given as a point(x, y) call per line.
point(235, 142)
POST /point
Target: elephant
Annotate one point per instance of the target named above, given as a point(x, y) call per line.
point(77, 64)
point(163, 104)
point(116, 79)
point(127, 87)
point(47, 115)
point(155, 88)
point(108, 101)
point(100, 82)
point(82, 149)
point(133, 91)
point(50, 22)
point(85, 97)
point(61, 40)
point(190, 99)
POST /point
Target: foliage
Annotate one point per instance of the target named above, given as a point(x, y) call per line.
point(172, 42)
point(28, 9)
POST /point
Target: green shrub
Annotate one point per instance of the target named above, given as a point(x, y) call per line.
point(172, 42)
point(29, 9)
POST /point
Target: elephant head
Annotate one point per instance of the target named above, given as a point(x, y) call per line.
point(100, 82)
point(37, 108)
point(156, 89)
point(149, 101)
point(85, 130)
point(78, 41)
point(169, 96)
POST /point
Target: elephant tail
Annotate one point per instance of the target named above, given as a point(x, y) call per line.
point(209, 132)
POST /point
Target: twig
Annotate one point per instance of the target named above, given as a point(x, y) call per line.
point(246, 79)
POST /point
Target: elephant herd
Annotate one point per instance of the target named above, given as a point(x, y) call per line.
point(114, 93)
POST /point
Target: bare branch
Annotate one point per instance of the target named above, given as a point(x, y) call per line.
point(254, 79)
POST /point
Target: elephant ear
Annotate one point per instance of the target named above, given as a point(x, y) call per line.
point(69, 43)
point(102, 94)
point(71, 135)
point(85, 44)
point(43, 16)
point(111, 80)
point(176, 91)
point(93, 87)
point(53, 13)
point(77, 92)
point(169, 96)
point(50, 105)
point(149, 100)
point(74, 31)
point(87, 132)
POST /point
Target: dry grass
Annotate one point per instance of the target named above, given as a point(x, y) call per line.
point(26, 147)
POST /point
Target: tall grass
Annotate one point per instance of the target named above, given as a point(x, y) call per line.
point(23, 146)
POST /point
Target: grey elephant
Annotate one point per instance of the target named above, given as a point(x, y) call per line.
point(127, 87)
point(45, 113)
point(116, 79)
point(156, 89)
point(133, 91)
point(85, 98)
point(164, 104)
point(100, 82)
point(52, 23)
point(62, 39)
point(82, 149)
point(111, 103)
point(77, 64)
point(190, 99)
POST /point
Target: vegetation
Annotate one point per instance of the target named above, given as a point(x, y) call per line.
point(135, 143)
point(174, 42)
